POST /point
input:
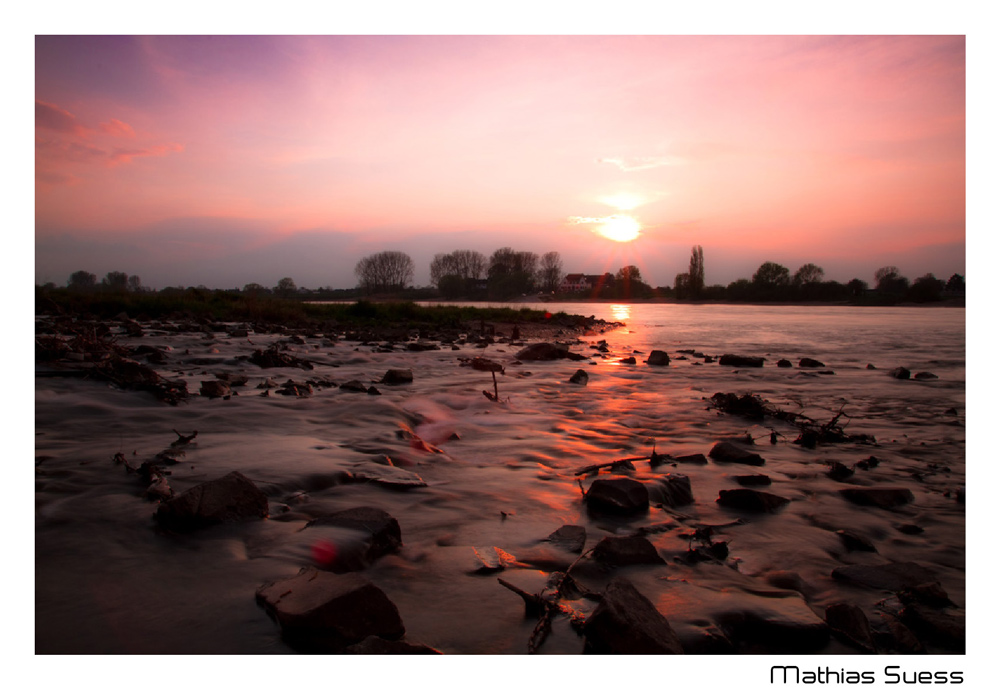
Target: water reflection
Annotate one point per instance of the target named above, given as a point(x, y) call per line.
point(621, 312)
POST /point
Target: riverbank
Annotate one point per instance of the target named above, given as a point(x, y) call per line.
point(492, 493)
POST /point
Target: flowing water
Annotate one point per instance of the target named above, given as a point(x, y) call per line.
point(107, 581)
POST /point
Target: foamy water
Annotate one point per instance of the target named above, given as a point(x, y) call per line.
point(108, 582)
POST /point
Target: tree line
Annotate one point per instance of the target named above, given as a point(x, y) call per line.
point(508, 274)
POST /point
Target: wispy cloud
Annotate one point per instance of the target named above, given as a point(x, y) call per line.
point(125, 155)
point(631, 164)
point(48, 116)
point(118, 128)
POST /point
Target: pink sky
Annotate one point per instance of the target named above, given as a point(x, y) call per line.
point(228, 160)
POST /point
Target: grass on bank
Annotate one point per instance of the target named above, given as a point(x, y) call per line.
point(217, 305)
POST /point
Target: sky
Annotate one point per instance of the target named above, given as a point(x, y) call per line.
point(225, 160)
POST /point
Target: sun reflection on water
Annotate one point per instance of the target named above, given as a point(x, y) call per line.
point(621, 312)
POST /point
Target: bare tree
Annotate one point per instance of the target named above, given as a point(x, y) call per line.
point(696, 271)
point(285, 287)
point(115, 281)
point(550, 274)
point(463, 264)
point(889, 279)
point(134, 283)
point(807, 274)
point(512, 272)
point(82, 281)
point(386, 271)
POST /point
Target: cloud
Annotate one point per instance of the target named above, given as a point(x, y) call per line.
point(125, 155)
point(48, 116)
point(642, 162)
point(117, 128)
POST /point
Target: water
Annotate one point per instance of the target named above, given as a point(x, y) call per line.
point(108, 582)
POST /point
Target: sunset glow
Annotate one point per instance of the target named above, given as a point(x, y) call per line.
point(232, 159)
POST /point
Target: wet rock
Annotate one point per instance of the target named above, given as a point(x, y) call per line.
point(626, 622)
point(382, 529)
point(900, 373)
point(390, 476)
point(491, 559)
point(910, 529)
point(855, 541)
point(672, 490)
point(617, 496)
point(292, 389)
point(622, 551)
point(839, 471)
point(851, 623)
point(546, 351)
point(373, 391)
point(894, 576)
point(867, 464)
point(354, 386)
point(658, 357)
point(925, 375)
point(376, 645)
point(751, 500)
point(235, 380)
point(806, 362)
point(570, 537)
point(936, 626)
point(397, 376)
point(736, 360)
point(931, 594)
point(322, 611)
point(885, 498)
point(422, 346)
point(273, 357)
point(870, 367)
point(692, 459)
point(784, 363)
point(727, 452)
point(231, 498)
point(580, 377)
point(753, 480)
point(627, 360)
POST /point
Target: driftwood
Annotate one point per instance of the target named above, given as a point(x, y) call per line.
point(811, 432)
point(625, 463)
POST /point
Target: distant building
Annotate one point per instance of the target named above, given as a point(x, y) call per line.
point(578, 282)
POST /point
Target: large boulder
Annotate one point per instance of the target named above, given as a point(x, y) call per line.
point(626, 622)
point(231, 498)
point(886, 498)
point(617, 496)
point(658, 357)
point(546, 351)
point(751, 500)
point(727, 452)
point(322, 611)
point(397, 376)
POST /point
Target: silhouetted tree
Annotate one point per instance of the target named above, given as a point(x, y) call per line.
point(956, 283)
point(770, 280)
point(115, 281)
point(740, 289)
point(134, 283)
point(681, 282)
point(384, 272)
point(285, 287)
point(550, 273)
point(255, 289)
point(456, 274)
point(81, 281)
point(890, 281)
point(512, 272)
point(857, 288)
point(808, 273)
point(926, 288)
point(696, 272)
point(629, 283)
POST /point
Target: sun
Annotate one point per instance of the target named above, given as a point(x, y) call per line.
point(620, 228)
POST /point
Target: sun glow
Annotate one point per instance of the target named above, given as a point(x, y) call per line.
point(620, 228)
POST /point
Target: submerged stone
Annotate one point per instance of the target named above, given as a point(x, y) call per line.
point(231, 498)
point(626, 622)
point(737, 360)
point(617, 495)
point(621, 551)
point(570, 537)
point(727, 452)
point(751, 500)
point(885, 498)
point(672, 490)
point(658, 357)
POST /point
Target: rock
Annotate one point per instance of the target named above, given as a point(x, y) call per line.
point(806, 362)
point(870, 367)
point(867, 464)
point(422, 346)
point(324, 611)
point(658, 357)
point(885, 498)
point(751, 500)
point(491, 559)
point(910, 529)
point(617, 496)
point(231, 498)
point(382, 529)
point(672, 490)
point(354, 386)
point(570, 537)
point(621, 551)
point(894, 576)
point(626, 622)
point(784, 363)
point(397, 376)
point(900, 373)
point(546, 351)
point(627, 360)
point(373, 391)
point(727, 452)
point(753, 480)
point(376, 645)
point(691, 459)
point(273, 357)
point(855, 541)
point(390, 476)
point(938, 626)
point(736, 360)
point(839, 471)
point(580, 377)
point(850, 622)
point(235, 380)
point(925, 375)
